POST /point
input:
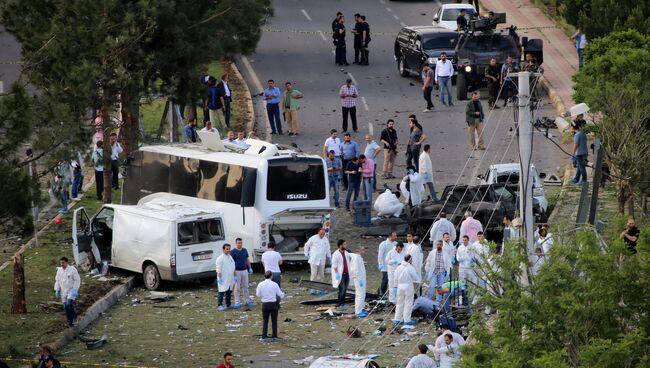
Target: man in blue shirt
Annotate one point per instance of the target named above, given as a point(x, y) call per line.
point(350, 150)
point(580, 153)
point(189, 132)
point(272, 96)
point(334, 174)
point(242, 269)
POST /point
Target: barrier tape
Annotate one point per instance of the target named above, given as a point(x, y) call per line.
point(78, 363)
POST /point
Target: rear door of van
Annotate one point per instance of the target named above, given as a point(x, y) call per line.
point(198, 244)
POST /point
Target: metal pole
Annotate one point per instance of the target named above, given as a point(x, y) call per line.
point(597, 173)
point(525, 154)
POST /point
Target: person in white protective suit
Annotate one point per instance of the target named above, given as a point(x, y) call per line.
point(393, 259)
point(317, 251)
point(422, 360)
point(426, 171)
point(465, 258)
point(441, 343)
point(406, 276)
point(358, 275)
point(440, 227)
point(412, 187)
point(385, 247)
point(225, 277)
point(414, 250)
point(448, 246)
point(66, 287)
point(449, 353)
point(387, 204)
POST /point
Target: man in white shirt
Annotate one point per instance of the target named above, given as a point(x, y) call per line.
point(241, 140)
point(426, 170)
point(448, 246)
point(272, 261)
point(442, 226)
point(317, 251)
point(116, 149)
point(440, 341)
point(417, 257)
point(333, 143)
point(269, 293)
point(406, 277)
point(66, 287)
point(226, 278)
point(449, 353)
point(385, 247)
point(509, 231)
point(358, 275)
point(444, 72)
point(393, 259)
point(465, 258)
point(341, 270)
point(421, 360)
point(209, 128)
point(481, 251)
point(230, 138)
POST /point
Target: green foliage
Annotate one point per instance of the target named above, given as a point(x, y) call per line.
point(599, 17)
point(587, 307)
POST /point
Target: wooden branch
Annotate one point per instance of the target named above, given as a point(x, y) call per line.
point(208, 19)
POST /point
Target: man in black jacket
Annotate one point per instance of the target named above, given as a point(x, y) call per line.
point(389, 139)
point(225, 97)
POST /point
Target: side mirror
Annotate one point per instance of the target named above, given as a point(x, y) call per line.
point(435, 19)
point(542, 175)
point(480, 176)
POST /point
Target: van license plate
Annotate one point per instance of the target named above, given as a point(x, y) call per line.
point(201, 257)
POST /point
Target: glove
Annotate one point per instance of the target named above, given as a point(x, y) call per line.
point(380, 267)
point(338, 277)
point(75, 293)
point(250, 269)
point(393, 262)
point(57, 294)
point(362, 283)
point(220, 280)
point(236, 279)
point(395, 290)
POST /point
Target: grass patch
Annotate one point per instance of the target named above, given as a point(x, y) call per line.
point(43, 323)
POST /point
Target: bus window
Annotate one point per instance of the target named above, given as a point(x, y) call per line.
point(295, 179)
point(220, 182)
point(234, 183)
point(183, 176)
point(154, 175)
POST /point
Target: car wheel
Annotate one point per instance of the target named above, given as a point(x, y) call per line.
point(88, 264)
point(151, 277)
point(401, 66)
point(461, 87)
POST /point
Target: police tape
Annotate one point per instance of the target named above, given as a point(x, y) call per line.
point(82, 364)
point(300, 31)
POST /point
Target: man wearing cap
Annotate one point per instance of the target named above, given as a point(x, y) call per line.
point(348, 94)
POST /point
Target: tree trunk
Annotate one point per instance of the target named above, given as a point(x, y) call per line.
point(18, 305)
point(630, 206)
point(108, 128)
point(621, 198)
point(130, 130)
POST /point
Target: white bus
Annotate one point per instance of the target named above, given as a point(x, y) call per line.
point(266, 193)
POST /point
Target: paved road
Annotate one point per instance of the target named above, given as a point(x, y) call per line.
point(296, 46)
point(9, 56)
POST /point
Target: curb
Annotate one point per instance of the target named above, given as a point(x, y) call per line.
point(565, 181)
point(249, 100)
point(94, 312)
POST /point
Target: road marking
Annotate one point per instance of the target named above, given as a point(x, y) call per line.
point(322, 35)
point(306, 15)
point(353, 80)
point(389, 10)
point(382, 2)
point(258, 85)
point(396, 17)
point(365, 104)
point(402, 24)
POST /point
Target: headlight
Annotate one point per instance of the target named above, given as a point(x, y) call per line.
point(468, 69)
point(431, 61)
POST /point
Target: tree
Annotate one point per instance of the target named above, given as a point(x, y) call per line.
point(597, 18)
point(612, 83)
point(587, 307)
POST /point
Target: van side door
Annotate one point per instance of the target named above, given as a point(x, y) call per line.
point(199, 243)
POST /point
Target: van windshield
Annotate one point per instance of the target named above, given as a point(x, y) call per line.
point(201, 231)
point(295, 179)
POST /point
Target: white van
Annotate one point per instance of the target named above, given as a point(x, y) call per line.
point(162, 240)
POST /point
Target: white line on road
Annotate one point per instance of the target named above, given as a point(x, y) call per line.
point(333, 52)
point(396, 17)
point(322, 35)
point(389, 10)
point(402, 24)
point(353, 80)
point(306, 15)
point(365, 104)
point(258, 85)
point(382, 2)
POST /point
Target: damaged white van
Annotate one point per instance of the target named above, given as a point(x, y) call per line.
point(161, 239)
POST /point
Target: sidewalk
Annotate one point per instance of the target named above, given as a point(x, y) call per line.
point(560, 58)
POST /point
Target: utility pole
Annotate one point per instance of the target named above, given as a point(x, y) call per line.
point(525, 129)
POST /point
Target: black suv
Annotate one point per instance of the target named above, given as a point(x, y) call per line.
point(417, 45)
point(480, 43)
